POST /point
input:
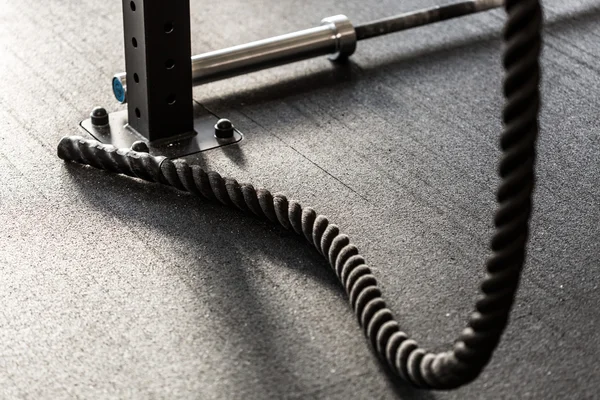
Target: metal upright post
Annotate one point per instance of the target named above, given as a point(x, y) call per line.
point(158, 88)
point(159, 73)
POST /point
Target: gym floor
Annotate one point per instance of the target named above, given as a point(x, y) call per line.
point(115, 288)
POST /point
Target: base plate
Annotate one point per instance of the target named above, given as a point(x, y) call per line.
point(118, 133)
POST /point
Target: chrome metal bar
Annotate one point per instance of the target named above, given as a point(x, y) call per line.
point(336, 37)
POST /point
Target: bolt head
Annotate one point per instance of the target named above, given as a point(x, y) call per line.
point(99, 117)
point(140, 147)
point(224, 129)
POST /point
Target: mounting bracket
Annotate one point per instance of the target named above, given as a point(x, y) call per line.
point(160, 109)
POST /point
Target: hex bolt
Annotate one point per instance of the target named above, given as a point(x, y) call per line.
point(99, 116)
point(224, 129)
point(140, 146)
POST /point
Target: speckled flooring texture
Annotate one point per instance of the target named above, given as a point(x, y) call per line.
point(115, 288)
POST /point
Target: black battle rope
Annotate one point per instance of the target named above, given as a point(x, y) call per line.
point(475, 345)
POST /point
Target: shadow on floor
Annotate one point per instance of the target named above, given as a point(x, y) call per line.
point(224, 243)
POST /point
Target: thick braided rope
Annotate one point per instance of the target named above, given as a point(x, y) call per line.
point(475, 345)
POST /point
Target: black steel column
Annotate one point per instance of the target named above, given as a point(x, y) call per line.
point(159, 72)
